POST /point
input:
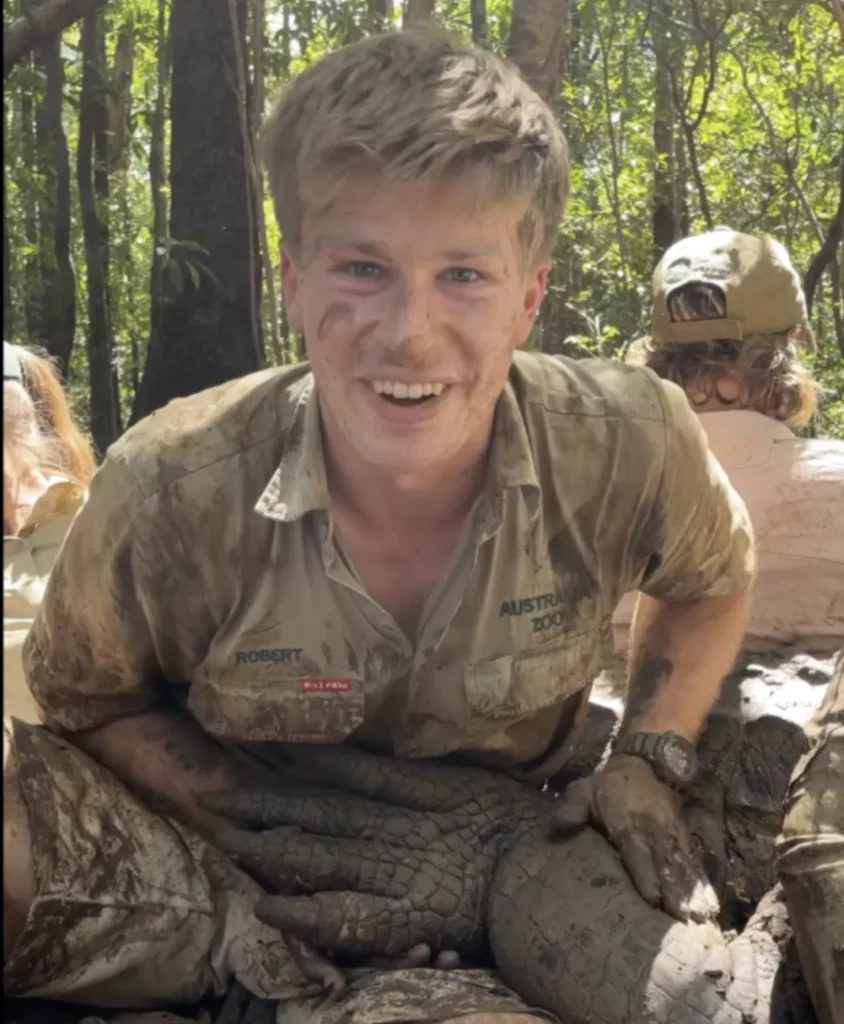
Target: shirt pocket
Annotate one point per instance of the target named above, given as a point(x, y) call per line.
point(270, 703)
point(517, 685)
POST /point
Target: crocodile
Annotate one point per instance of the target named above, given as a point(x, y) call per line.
point(389, 854)
point(379, 856)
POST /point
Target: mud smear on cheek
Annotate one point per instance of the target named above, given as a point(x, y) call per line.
point(337, 314)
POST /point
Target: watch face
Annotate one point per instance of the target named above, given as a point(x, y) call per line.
point(679, 759)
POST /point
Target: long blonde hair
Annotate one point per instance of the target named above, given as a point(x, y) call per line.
point(39, 433)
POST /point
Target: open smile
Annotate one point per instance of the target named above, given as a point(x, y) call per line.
point(399, 393)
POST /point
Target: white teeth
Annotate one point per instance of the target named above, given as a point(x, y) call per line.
point(408, 391)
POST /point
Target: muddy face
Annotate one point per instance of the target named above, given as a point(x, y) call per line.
point(411, 302)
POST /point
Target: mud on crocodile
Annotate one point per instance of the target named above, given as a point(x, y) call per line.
point(387, 855)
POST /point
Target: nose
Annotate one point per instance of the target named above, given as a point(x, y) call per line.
point(411, 321)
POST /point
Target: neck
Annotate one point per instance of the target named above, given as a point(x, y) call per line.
point(440, 496)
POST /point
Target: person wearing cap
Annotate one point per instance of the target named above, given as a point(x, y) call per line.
point(729, 322)
point(729, 325)
point(412, 543)
point(47, 465)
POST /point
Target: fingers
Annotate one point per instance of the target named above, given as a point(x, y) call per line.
point(352, 922)
point(448, 960)
point(636, 855)
point(573, 810)
point(417, 956)
point(325, 814)
point(665, 872)
point(686, 892)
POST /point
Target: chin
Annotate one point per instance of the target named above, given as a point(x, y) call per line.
point(400, 460)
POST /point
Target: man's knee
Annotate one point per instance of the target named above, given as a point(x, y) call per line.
point(498, 1018)
point(18, 870)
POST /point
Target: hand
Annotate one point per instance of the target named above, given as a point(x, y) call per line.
point(398, 858)
point(642, 818)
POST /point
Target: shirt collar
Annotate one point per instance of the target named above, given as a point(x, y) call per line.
point(299, 484)
point(511, 460)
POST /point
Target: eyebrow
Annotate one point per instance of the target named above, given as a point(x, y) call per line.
point(379, 251)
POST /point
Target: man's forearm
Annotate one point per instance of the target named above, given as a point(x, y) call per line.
point(164, 756)
point(679, 654)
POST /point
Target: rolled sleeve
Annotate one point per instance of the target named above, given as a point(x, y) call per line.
point(90, 657)
point(702, 537)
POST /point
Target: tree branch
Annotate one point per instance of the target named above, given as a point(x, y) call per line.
point(782, 155)
point(826, 254)
point(39, 25)
point(838, 14)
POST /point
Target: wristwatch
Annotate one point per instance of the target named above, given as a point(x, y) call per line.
point(672, 757)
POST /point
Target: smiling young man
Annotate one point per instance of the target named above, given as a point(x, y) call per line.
point(414, 543)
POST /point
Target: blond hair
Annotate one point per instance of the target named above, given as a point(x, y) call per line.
point(39, 433)
point(417, 106)
point(771, 376)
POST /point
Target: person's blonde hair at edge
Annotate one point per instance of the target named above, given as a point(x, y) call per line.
point(39, 433)
point(767, 368)
point(417, 105)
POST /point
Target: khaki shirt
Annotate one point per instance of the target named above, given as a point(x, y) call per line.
point(794, 492)
point(28, 558)
point(205, 563)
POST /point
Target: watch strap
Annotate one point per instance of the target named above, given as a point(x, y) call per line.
point(640, 744)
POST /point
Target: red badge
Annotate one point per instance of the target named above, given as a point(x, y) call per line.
point(325, 685)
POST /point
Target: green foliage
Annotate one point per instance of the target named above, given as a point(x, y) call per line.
point(768, 149)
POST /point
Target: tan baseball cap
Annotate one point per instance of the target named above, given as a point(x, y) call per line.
point(762, 289)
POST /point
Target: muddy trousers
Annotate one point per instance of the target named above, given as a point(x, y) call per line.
point(810, 854)
point(132, 910)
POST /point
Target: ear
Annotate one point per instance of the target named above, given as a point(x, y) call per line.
point(290, 281)
point(534, 287)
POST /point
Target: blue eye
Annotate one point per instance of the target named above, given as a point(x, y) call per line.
point(463, 275)
point(361, 268)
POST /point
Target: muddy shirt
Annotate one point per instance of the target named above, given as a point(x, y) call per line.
point(205, 558)
point(28, 558)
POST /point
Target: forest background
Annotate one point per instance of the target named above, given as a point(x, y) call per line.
point(139, 245)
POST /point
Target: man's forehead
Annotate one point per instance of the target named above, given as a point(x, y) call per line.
point(381, 245)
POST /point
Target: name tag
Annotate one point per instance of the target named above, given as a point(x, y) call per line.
point(312, 685)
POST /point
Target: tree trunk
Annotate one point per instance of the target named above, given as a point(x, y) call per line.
point(380, 14)
point(826, 255)
point(266, 270)
point(33, 289)
point(534, 45)
point(209, 311)
point(120, 97)
point(417, 12)
point(8, 313)
point(477, 10)
point(92, 173)
point(157, 179)
point(58, 275)
point(664, 226)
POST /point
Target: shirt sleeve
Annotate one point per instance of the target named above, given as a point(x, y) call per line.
point(699, 538)
point(89, 658)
